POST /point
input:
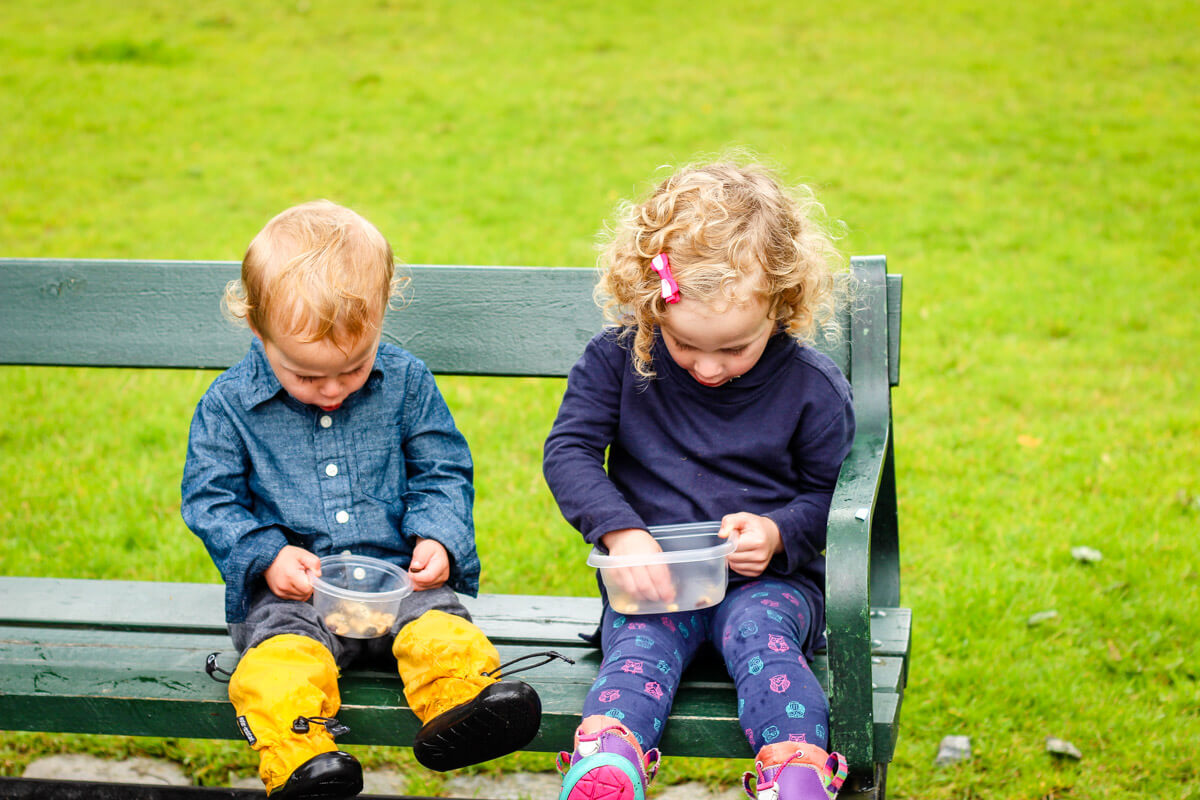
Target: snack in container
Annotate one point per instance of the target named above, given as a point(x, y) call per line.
point(694, 557)
point(359, 596)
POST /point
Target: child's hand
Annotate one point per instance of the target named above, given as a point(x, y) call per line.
point(758, 540)
point(430, 565)
point(288, 575)
point(652, 583)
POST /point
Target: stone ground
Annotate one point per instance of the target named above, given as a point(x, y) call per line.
point(515, 786)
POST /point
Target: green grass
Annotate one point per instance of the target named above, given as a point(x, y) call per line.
point(1029, 167)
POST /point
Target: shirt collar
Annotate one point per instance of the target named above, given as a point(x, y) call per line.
point(262, 384)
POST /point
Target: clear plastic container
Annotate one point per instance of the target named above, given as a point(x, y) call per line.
point(695, 560)
point(358, 596)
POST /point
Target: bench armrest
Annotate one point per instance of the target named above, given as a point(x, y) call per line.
point(848, 599)
point(855, 504)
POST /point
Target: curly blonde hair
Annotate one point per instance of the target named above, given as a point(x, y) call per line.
point(729, 229)
point(318, 271)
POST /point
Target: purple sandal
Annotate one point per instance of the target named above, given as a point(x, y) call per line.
point(797, 779)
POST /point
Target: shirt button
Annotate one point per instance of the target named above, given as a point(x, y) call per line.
point(331, 470)
point(326, 421)
point(342, 517)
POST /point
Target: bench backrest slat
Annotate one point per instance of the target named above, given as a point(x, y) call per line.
point(105, 313)
point(460, 320)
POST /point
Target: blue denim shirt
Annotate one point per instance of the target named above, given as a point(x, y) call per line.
point(264, 470)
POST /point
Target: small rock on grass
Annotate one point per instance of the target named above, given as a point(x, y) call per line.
point(952, 750)
point(1041, 616)
point(1062, 748)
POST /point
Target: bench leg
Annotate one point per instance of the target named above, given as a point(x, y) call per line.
point(866, 787)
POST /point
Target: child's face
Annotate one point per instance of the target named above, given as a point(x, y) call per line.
point(319, 373)
point(716, 343)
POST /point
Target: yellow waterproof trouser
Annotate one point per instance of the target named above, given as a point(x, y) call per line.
point(441, 658)
point(281, 679)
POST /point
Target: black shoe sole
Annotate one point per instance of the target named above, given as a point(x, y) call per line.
point(501, 719)
point(327, 776)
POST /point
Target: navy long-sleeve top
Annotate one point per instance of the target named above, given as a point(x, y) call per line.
point(770, 442)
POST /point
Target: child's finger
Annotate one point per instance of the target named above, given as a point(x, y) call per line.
point(644, 585)
point(750, 562)
point(729, 524)
point(631, 581)
point(655, 584)
point(662, 579)
point(302, 585)
point(646, 590)
point(627, 580)
point(309, 562)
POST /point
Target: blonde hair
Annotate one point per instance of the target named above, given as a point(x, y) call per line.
point(726, 227)
point(318, 271)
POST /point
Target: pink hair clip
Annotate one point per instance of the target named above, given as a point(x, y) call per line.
point(670, 289)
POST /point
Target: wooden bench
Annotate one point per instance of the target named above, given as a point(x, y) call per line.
point(79, 656)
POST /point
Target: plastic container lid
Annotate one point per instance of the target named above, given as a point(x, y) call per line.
point(679, 543)
point(363, 572)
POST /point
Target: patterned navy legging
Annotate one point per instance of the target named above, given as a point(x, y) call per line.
point(759, 629)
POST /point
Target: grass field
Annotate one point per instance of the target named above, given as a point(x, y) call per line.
point(1030, 167)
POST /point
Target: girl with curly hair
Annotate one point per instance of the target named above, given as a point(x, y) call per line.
point(707, 401)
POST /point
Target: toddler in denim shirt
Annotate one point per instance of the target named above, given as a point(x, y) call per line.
point(326, 440)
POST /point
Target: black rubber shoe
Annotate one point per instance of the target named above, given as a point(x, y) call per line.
point(327, 776)
point(502, 718)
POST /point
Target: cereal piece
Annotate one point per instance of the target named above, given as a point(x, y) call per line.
point(359, 621)
point(703, 602)
point(337, 624)
point(672, 607)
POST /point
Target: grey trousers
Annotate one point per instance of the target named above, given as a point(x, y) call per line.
point(273, 616)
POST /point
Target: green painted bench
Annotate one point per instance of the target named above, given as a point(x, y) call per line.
point(77, 656)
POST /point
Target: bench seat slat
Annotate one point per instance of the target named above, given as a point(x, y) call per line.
point(152, 683)
point(198, 607)
point(27, 652)
point(138, 667)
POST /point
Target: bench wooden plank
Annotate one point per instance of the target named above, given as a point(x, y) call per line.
point(459, 320)
point(198, 608)
point(27, 650)
point(52, 308)
point(189, 607)
point(895, 290)
point(72, 644)
point(153, 683)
